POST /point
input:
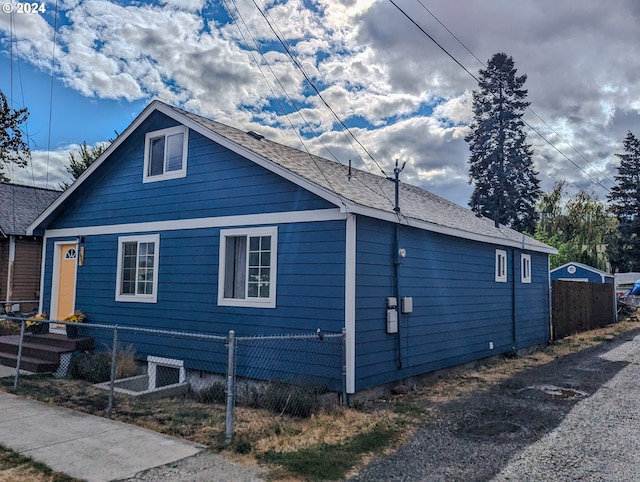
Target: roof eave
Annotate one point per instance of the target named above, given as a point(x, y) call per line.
point(458, 233)
point(94, 166)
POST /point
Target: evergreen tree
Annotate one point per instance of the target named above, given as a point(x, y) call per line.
point(506, 187)
point(624, 202)
point(13, 149)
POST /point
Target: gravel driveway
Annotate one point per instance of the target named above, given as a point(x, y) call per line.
point(576, 418)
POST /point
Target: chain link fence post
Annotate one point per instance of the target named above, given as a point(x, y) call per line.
point(113, 370)
point(231, 375)
point(17, 377)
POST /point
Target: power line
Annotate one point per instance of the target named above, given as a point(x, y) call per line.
point(279, 83)
point(53, 58)
point(313, 86)
point(589, 163)
point(287, 48)
point(596, 181)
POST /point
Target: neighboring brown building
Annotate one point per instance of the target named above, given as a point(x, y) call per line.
point(20, 254)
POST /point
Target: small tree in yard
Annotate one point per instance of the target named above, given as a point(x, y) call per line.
point(506, 187)
point(577, 226)
point(13, 149)
point(624, 201)
point(86, 157)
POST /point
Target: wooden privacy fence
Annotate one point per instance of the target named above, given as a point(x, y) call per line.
point(580, 307)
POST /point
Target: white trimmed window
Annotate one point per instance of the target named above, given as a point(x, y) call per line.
point(501, 266)
point(165, 154)
point(525, 268)
point(138, 268)
point(247, 273)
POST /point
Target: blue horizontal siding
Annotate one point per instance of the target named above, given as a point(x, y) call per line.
point(310, 296)
point(310, 289)
point(218, 183)
point(458, 306)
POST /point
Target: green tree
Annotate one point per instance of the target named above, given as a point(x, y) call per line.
point(13, 149)
point(624, 202)
point(506, 187)
point(578, 227)
point(78, 163)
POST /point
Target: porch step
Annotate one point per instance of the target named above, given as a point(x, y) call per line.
point(40, 353)
point(29, 364)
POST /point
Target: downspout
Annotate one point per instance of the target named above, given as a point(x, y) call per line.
point(513, 296)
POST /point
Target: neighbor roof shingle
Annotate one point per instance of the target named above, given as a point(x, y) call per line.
point(21, 205)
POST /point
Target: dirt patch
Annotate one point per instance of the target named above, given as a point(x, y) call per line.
point(479, 418)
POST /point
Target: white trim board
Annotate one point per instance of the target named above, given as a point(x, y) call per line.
point(350, 303)
point(201, 223)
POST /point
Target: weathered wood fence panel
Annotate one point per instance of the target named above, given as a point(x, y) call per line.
point(580, 307)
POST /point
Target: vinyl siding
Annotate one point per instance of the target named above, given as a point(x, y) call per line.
point(218, 183)
point(310, 280)
point(458, 306)
point(25, 284)
point(4, 264)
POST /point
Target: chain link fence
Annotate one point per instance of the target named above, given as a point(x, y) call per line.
point(129, 369)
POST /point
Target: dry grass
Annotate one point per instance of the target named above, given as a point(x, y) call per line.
point(264, 436)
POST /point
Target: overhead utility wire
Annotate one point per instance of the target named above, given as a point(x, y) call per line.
point(589, 163)
point(295, 106)
point(313, 86)
point(477, 80)
point(279, 83)
point(15, 55)
point(53, 58)
point(308, 79)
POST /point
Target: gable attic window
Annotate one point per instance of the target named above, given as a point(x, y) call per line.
point(501, 266)
point(165, 154)
point(137, 272)
point(247, 271)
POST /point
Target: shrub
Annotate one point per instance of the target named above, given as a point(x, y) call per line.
point(214, 393)
point(92, 367)
point(96, 367)
point(296, 400)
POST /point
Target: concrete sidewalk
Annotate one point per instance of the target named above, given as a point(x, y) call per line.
point(82, 445)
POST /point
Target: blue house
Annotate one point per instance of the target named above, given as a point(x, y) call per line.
point(246, 234)
point(581, 272)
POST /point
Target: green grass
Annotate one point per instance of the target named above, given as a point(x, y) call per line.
point(10, 459)
point(329, 461)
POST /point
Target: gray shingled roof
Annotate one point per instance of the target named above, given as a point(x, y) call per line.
point(418, 207)
point(362, 193)
point(21, 205)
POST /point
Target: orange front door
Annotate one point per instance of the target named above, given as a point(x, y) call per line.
point(66, 281)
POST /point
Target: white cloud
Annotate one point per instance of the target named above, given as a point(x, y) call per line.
point(371, 64)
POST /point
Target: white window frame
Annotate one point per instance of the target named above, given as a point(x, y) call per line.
point(525, 268)
point(138, 298)
point(269, 302)
point(175, 174)
point(501, 266)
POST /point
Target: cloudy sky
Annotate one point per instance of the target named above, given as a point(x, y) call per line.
point(85, 69)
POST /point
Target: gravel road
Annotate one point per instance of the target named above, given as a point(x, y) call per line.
point(576, 418)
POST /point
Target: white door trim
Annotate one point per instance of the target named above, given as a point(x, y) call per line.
point(55, 282)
